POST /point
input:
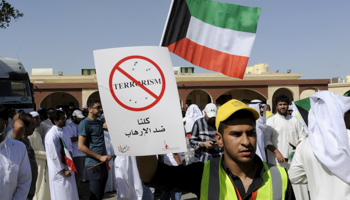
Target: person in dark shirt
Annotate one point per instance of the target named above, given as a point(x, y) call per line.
point(239, 174)
point(91, 142)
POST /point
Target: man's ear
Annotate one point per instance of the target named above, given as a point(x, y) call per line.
point(219, 139)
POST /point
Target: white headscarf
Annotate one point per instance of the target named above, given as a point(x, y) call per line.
point(188, 125)
point(193, 112)
point(260, 128)
point(261, 122)
point(328, 134)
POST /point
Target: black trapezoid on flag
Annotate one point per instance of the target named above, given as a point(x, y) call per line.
point(178, 23)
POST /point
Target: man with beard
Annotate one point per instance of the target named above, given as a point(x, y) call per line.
point(91, 142)
point(203, 135)
point(238, 174)
point(284, 129)
point(78, 156)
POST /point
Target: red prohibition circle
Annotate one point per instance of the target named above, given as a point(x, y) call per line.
point(116, 67)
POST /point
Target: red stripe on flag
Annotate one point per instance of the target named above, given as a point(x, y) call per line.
point(108, 167)
point(202, 56)
point(70, 164)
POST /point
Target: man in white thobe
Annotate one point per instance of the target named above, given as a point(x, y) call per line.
point(284, 129)
point(110, 185)
point(322, 160)
point(260, 128)
point(42, 191)
point(62, 180)
point(15, 170)
point(128, 182)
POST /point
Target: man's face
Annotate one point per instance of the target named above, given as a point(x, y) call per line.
point(37, 121)
point(76, 120)
point(210, 120)
point(61, 121)
point(261, 110)
point(282, 107)
point(96, 110)
point(239, 140)
point(49, 113)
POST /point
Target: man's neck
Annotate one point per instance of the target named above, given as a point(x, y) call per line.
point(284, 115)
point(91, 116)
point(242, 170)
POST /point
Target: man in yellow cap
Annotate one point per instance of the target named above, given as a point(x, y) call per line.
point(238, 174)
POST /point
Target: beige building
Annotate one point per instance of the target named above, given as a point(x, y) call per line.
point(198, 88)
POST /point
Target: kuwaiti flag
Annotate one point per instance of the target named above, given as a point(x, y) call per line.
point(66, 157)
point(302, 108)
point(213, 35)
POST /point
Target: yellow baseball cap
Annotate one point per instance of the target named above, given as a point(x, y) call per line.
point(230, 107)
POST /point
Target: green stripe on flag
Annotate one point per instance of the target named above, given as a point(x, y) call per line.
point(225, 15)
point(304, 103)
point(303, 107)
point(64, 144)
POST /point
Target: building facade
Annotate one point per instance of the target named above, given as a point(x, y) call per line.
point(65, 90)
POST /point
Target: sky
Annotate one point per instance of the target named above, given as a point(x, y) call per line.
point(309, 37)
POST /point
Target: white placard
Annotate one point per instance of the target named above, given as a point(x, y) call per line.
point(140, 100)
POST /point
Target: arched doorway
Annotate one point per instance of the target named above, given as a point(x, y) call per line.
point(307, 93)
point(94, 96)
point(59, 100)
point(240, 94)
point(199, 97)
point(278, 92)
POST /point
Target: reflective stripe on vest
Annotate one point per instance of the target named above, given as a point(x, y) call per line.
point(216, 184)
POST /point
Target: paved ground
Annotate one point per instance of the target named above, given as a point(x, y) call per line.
point(112, 195)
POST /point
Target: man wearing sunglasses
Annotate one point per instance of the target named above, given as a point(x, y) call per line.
point(91, 142)
point(14, 164)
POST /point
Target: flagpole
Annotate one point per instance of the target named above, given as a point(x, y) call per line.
point(166, 23)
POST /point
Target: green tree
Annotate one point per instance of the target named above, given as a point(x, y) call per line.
point(7, 12)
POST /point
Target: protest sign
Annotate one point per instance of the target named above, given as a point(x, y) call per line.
point(140, 100)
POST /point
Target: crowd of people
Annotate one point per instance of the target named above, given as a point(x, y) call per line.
point(238, 150)
point(244, 151)
point(48, 153)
